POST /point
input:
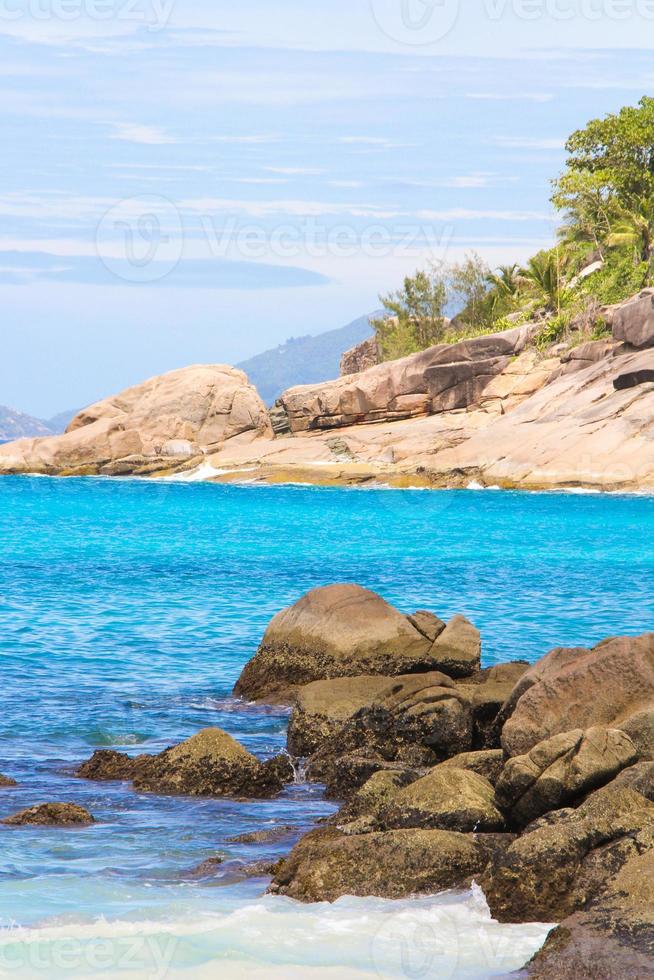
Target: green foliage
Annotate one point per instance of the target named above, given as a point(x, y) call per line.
point(468, 284)
point(544, 275)
point(414, 317)
point(620, 278)
point(556, 329)
point(607, 190)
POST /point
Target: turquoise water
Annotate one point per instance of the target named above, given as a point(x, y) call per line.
point(127, 611)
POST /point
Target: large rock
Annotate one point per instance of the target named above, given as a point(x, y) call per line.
point(326, 864)
point(613, 939)
point(322, 708)
point(51, 815)
point(447, 799)
point(373, 797)
point(106, 765)
point(434, 380)
point(488, 763)
point(562, 769)
point(576, 430)
point(559, 867)
point(360, 357)
point(633, 321)
point(457, 650)
point(489, 691)
point(341, 631)
point(210, 763)
point(167, 420)
point(640, 729)
point(417, 721)
point(602, 686)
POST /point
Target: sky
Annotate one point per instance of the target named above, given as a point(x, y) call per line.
point(189, 181)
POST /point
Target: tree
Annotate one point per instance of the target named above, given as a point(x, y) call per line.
point(543, 273)
point(608, 185)
point(414, 316)
point(469, 285)
point(506, 281)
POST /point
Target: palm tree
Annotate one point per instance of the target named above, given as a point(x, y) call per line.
point(636, 227)
point(506, 281)
point(543, 272)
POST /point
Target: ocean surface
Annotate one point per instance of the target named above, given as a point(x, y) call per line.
point(127, 610)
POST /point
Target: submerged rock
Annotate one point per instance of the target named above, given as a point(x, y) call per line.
point(270, 836)
point(326, 864)
point(51, 815)
point(335, 631)
point(210, 763)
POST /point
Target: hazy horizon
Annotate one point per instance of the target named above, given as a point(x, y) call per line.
point(207, 182)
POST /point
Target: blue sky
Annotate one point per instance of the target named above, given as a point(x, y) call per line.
point(185, 180)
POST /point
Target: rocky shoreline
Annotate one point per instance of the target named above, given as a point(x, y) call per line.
point(534, 781)
point(493, 410)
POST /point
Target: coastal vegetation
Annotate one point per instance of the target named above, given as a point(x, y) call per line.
point(604, 253)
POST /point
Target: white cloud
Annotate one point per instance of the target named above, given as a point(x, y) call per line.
point(296, 171)
point(540, 97)
point(529, 143)
point(145, 135)
point(464, 214)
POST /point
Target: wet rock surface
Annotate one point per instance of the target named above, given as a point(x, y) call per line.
point(210, 763)
point(326, 864)
point(555, 870)
point(51, 815)
point(335, 631)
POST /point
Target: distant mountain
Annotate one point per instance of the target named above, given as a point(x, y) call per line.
point(303, 360)
point(59, 423)
point(15, 425)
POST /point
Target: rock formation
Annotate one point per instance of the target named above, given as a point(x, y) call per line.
point(51, 815)
point(492, 410)
point(361, 357)
point(345, 630)
point(210, 763)
point(175, 418)
point(439, 379)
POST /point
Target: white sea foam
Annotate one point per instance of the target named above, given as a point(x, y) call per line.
point(450, 936)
